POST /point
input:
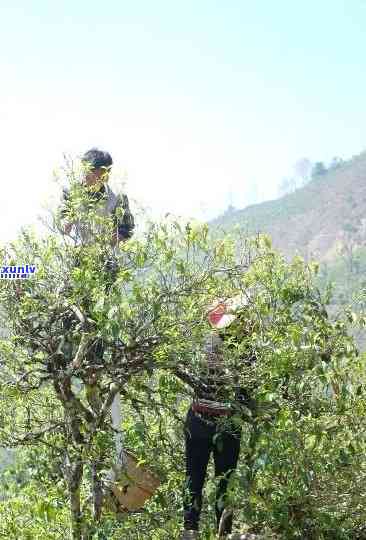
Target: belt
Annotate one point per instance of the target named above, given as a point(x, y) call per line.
point(197, 408)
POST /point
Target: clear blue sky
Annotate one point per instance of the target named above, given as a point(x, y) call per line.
point(195, 99)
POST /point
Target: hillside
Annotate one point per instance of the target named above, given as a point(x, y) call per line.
point(314, 220)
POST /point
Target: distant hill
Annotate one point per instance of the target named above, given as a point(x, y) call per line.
point(314, 220)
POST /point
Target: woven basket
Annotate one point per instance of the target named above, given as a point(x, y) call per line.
point(136, 485)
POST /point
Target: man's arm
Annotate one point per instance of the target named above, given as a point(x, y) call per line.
point(125, 223)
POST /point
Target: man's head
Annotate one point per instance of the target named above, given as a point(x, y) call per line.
point(97, 167)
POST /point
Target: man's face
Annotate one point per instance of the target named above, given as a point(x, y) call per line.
point(96, 177)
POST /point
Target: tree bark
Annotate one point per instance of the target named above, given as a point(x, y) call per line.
point(97, 488)
point(95, 403)
point(74, 473)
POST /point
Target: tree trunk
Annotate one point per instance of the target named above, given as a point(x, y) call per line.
point(97, 489)
point(118, 437)
point(74, 473)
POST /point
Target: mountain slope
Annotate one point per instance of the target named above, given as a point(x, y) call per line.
point(313, 219)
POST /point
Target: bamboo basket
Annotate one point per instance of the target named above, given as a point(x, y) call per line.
point(135, 486)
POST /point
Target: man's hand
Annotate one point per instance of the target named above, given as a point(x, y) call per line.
point(67, 228)
point(116, 239)
point(18, 291)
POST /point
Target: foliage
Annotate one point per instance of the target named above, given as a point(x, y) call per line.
point(96, 316)
point(97, 320)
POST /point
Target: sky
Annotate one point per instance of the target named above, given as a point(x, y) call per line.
point(202, 103)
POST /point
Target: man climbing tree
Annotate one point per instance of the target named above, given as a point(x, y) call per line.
point(98, 198)
point(97, 165)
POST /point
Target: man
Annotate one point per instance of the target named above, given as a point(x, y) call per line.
point(103, 202)
point(97, 165)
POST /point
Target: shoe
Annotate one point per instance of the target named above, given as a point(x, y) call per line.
point(189, 535)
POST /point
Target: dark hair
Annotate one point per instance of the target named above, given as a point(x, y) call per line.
point(97, 158)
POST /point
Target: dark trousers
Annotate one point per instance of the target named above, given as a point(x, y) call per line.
point(203, 435)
